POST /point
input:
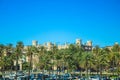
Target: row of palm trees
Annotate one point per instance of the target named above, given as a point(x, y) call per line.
point(98, 60)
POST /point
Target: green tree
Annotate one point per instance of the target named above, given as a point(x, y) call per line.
point(78, 58)
point(87, 61)
point(71, 57)
point(114, 55)
point(30, 51)
point(5, 60)
point(103, 60)
point(62, 54)
point(54, 51)
point(2, 63)
point(58, 60)
point(42, 59)
point(96, 53)
point(10, 53)
point(18, 53)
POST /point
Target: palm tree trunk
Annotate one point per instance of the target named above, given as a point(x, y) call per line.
point(90, 69)
point(87, 67)
point(11, 69)
point(100, 71)
point(43, 74)
point(113, 65)
point(98, 68)
point(3, 72)
point(57, 72)
point(67, 69)
point(118, 69)
point(49, 71)
point(30, 66)
point(80, 72)
point(16, 67)
point(63, 67)
point(87, 71)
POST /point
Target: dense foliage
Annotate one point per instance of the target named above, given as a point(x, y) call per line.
point(74, 58)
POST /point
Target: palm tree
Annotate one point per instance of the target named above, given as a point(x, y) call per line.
point(108, 53)
point(58, 60)
point(115, 53)
point(49, 60)
point(115, 56)
point(30, 51)
point(62, 53)
point(42, 59)
point(90, 61)
point(2, 48)
point(78, 57)
point(118, 64)
point(5, 59)
point(54, 51)
point(87, 61)
point(18, 53)
point(9, 52)
point(5, 62)
point(71, 51)
point(103, 60)
point(96, 53)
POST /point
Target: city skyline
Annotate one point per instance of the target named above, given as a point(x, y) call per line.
point(60, 21)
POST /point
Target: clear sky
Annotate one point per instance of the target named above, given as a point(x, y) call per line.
point(60, 21)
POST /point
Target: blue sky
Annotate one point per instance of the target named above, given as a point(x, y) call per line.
point(60, 21)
